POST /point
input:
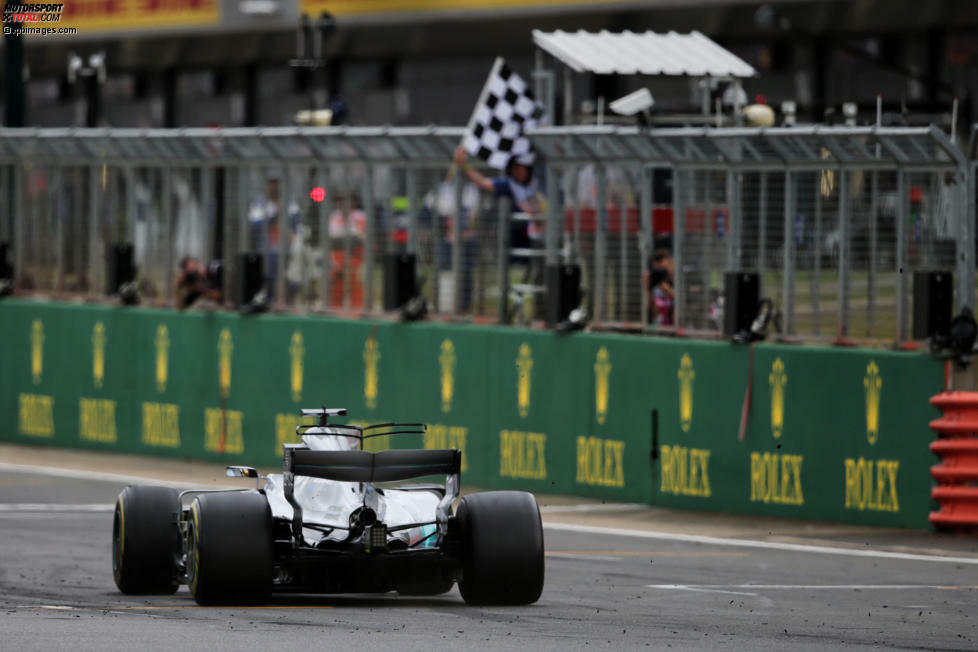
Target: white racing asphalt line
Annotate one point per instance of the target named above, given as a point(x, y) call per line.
point(102, 476)
point(751, 543)
point(565, 527)
point(590, 507)
point(726, 588)
point(55, 507)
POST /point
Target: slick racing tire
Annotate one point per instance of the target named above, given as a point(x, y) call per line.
point(502, 548)
point(146, 540)
point(229, 555)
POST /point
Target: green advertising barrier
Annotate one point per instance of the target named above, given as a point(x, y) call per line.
point(830, 434)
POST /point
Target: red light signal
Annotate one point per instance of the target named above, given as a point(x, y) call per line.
point(318, 194)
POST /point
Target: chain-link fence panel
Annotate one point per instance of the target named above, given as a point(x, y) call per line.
point(835, 220)
point(702, 249)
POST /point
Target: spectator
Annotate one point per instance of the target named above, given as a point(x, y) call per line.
point(263, 217)
point(524, 195)
point(441, 200)
point(518, 185)
point(346, 223)
point(193, 285)
point(658, 285)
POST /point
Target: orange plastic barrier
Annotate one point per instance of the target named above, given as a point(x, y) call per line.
point(957, 446)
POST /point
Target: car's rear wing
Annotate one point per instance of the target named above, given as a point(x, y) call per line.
point(366, 467)
point(323, 413)
point(324, 428)
point(362, 466)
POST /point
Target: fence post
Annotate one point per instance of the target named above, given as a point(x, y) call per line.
point(622, 290)
point(552, 232)
point(576, 198)
point(600, 240)
point(168, 234)
point(787, 264)
point(816, 281)
point(412, 194)
point(965, 267)
point(456, 306)
point(734, 220)
point(645, 242)
point(552, 243)
point(93, 231)
point(873, 237)
point(284, 201)
point(207, 222)
point(130, 231)
point(115, 212)
point(348, 208)
point(502, 248)
point(245, 178)
point(225, 186)
point(844, 257)
point(762, 229)
point(901, 257)
point(55, 190)
point(77, 224)
point(369, 241)
point(705, 255)
point(678, 259)
point(324, 210)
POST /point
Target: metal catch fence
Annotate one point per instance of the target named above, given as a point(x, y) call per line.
point(833, 219)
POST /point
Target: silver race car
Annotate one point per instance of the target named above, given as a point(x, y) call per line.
point(338, 519)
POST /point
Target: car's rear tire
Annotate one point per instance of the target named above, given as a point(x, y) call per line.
point(146, 540)
point(502, 548)
point(229, 557)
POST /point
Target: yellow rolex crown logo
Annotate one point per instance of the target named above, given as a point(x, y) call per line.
point(602, 370)
point(524, 365)
point(371, 355)
point(37, 351)
point(297, 350)
point(98, 353)
point(873, 384)
point(447, 362)
point(686, 376)
point(224, 348)
point(778, 380)
point(162, 357)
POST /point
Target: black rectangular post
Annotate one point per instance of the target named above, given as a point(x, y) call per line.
point(741, 296)
point(563, 283)
point(400, 282)
point(932, 296)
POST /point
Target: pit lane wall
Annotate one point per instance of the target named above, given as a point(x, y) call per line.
point(832, 434)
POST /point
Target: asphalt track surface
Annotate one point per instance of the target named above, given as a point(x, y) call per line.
point(627, 587)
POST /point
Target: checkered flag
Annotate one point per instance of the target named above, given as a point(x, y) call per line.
point(505, 107)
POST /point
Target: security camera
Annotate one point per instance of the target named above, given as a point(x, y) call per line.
point(96, 62)
point(640, 100)
point(74, 65)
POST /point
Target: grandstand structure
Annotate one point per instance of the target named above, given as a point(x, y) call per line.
point(226, 62)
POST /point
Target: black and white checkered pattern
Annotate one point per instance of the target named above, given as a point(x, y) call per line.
point(496, 130)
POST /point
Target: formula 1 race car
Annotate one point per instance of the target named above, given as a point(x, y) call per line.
point(332, 522)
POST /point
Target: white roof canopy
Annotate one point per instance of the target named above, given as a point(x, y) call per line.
point(648, 53)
